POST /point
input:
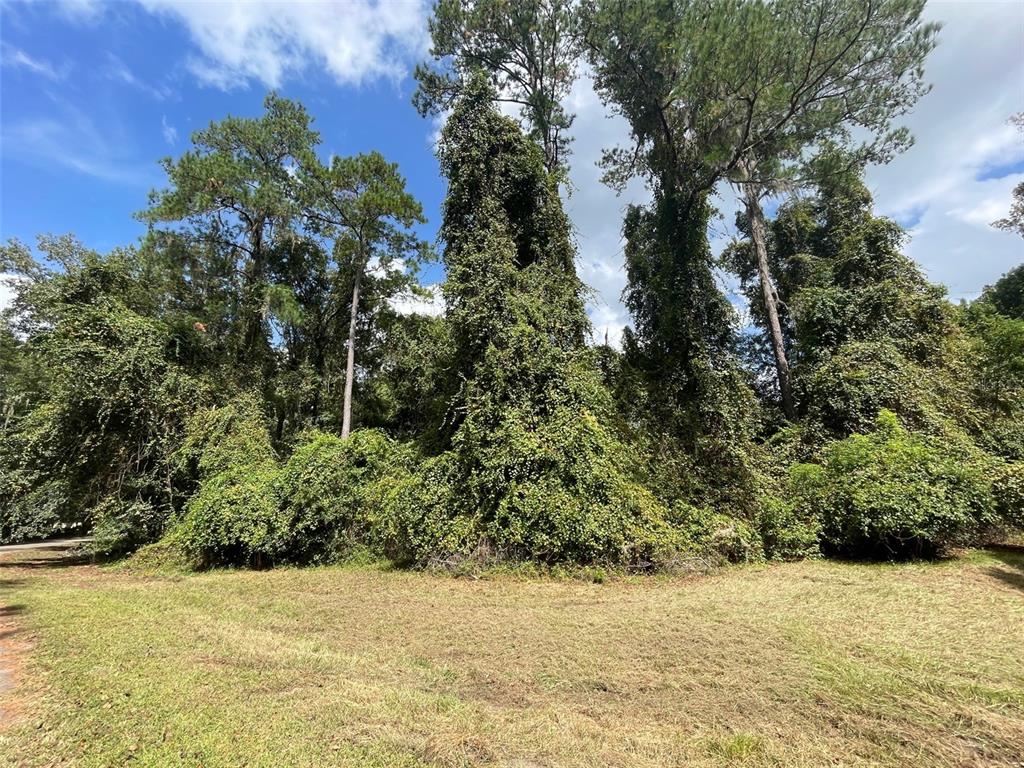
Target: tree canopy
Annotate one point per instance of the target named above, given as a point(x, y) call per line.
point(240, 387)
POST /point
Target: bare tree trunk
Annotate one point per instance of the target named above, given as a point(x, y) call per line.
point(757, 234)
point(350, 368)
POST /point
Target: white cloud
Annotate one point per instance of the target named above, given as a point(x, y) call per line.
point(268, 42)
point(983, 212)
point(6, 291)
point(597, 211)
point(16, 58)
point(962, 135)
point(119, 71)
point(410, 304)
point(169, 132)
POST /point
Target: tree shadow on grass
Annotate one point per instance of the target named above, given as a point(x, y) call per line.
point(8, 633)
point(65, 559)
point(1013, 557)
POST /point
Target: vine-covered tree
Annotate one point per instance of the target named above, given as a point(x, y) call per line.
point(1006, 295)
point(117, 376)
point(528, 48)
point(743, 90)
point(684, 328)
point(857, 309)
point(532, 467)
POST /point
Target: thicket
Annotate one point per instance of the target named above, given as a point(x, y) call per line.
point(240, 389)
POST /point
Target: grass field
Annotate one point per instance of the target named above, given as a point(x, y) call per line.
point(803, 664)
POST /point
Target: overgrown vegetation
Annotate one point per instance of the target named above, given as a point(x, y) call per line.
point(237, 389)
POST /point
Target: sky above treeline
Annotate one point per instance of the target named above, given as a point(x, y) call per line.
point(93, 94)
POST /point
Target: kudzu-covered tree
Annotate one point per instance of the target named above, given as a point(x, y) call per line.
point(858, 311)
point(746, 91)
point(532, 465)
point(107, 376)
point(698, 408)
point(1006, 295)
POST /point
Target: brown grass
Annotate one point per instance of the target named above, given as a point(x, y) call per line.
point(803, 664)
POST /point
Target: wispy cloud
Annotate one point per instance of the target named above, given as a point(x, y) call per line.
point(73, 142)
point(15, 58)
point(169, 131)
point(81, 10)
point(118, 71)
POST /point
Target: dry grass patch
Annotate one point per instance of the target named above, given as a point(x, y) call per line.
point(802, 664)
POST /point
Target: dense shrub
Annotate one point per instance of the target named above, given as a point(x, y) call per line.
point(1008, 490)
point(534, 499)
point(233, 518)
point(891, 493)
point(788, 532)
point(993, 366)
point(716, 536)
point(329, 496)
point(122, 526)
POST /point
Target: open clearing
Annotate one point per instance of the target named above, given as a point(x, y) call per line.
point(802, 664)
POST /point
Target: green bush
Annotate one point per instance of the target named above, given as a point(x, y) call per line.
point(121, 526)
point(891, 493)
point(234, 517)
point(328, 493)
point(33, 510)
point(1008, 490)
point(716, 536)
point(788, 533)
point(423, 520)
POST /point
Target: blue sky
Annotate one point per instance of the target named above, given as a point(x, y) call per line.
point(93, 94)
point(93, 97)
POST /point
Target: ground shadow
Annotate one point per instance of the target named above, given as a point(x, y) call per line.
point(67, 560)
point(12, 610)
point(1012, 556)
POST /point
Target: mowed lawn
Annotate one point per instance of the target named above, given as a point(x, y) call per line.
point(802, 664)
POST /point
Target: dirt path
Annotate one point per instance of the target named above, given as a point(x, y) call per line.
point(13, 647)
point(11, 654)
point(14, 644)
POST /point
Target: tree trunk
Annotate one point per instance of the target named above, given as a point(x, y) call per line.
point(757, 234)
point(350, 368)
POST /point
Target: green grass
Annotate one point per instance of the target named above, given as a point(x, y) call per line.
point(802, 664)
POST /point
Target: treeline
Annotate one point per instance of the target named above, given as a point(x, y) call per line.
point(239, 387)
